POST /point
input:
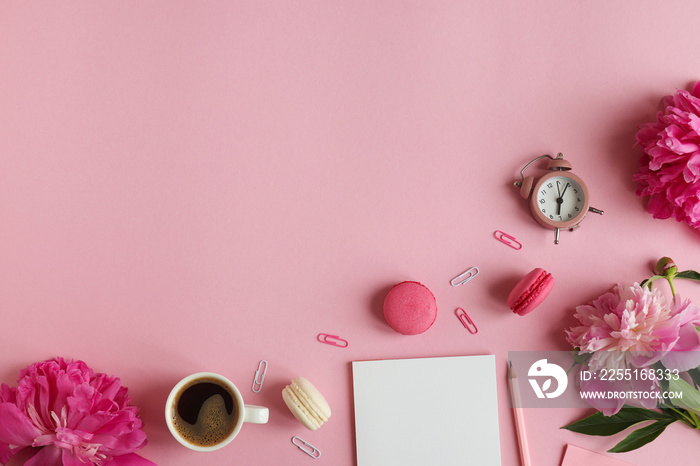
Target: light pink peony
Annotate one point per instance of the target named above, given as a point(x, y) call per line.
point(71, 416)
point(634, 327)
point(669, 170)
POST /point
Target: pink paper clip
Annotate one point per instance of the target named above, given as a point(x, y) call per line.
point(507, 239)
point(333, 340)
point(466, 320)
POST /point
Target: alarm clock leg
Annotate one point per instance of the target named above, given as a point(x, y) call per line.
point(556, 236)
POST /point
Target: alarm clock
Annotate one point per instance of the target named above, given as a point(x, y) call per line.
point(559, 200)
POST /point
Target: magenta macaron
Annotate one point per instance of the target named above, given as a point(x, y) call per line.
point(410, 308)
point(530, 291)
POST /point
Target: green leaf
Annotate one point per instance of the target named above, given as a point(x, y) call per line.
point(695, 375)
point(663, 383)
point(648, 282)
point(599, 424)
point(641, 437)
point(690, 275)
point(668, 410)
point(690, 396)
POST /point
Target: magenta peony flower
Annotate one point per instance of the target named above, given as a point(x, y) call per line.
point(634, 327)
point(71, 416)
point(669, 170)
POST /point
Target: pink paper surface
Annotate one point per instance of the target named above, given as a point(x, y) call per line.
point(576, 456)
point(196, 186)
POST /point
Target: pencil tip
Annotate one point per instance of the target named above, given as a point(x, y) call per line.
point(511, 370)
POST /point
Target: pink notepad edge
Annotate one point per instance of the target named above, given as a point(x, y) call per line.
point(576, 456)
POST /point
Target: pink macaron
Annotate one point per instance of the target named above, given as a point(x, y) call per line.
point(530, 291)
point(410, 308)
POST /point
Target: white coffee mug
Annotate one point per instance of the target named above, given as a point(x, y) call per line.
point(242, 412)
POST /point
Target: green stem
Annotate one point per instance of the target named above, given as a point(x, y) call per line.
point(670, 283)
point(648, 282)
point(695, 424)
point(695, 419)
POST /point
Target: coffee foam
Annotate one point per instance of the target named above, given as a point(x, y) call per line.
point(213, 423)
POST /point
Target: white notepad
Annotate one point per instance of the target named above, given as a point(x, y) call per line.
point(429, 411)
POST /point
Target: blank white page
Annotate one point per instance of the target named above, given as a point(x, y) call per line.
point(441, 411)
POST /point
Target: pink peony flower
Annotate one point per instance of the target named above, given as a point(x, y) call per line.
point(637, 326)
point(634, 327)
point(669, 170)
point(71, 416)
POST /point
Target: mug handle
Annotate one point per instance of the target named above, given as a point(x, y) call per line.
point(256, 414)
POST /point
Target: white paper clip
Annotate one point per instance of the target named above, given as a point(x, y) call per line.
point(507, 239)
point(259, 376)
point(306, 447)
point(333, 340)
point(465, 276)
point(466, 320)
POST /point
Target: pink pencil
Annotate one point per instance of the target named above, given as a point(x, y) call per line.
point(518, 415)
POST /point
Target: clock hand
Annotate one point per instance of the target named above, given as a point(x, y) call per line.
point(560, 199)
point(562, 193)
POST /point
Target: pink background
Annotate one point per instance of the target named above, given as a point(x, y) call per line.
point(192, 186)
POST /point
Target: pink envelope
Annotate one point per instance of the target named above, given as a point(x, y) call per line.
point(576, 456)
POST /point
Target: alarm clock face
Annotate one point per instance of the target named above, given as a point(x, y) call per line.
point(559, 201)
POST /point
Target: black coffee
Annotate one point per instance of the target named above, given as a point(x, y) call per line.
point(205, 412)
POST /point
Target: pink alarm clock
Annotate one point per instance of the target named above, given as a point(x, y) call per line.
point(558, 200)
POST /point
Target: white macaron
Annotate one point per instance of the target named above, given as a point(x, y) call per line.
point(306, 403)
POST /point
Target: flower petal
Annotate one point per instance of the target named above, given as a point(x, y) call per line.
point(608, 406)
point(15, 427)
point(681, 360)
point(121, 444)
point(639, 385)
point(6, 452)
point(46, 456)
point(71, 459)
